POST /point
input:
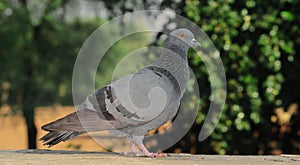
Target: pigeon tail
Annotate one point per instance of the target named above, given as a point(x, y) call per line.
point(71, 126)
point(55, 137)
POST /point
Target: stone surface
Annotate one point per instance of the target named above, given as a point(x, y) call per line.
point(37, 157)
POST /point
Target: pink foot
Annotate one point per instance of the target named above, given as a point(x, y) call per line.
point(154, 155)
point(151, 154)
point(143, 152)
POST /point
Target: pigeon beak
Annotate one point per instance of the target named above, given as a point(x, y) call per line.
point(194, 42)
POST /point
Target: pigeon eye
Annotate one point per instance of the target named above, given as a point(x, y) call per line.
point(181, 35)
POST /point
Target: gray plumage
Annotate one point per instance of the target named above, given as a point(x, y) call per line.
point(135, 104)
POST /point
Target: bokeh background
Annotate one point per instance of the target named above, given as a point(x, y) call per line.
point(259, 45)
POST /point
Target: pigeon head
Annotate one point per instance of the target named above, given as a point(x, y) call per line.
point(179, 41)
point(184, 36)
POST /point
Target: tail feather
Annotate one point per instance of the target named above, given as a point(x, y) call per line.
point(48, 136)
point(55, 137)
point(70, 126)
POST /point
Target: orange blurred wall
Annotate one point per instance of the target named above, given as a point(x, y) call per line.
point(14, 135)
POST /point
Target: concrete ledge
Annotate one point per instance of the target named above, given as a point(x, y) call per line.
point(37, 157)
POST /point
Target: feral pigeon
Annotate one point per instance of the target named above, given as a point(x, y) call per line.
point(135, 104)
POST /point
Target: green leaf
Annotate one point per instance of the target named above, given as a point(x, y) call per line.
point(287, 16)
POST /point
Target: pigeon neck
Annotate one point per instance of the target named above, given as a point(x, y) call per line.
point(172, 48)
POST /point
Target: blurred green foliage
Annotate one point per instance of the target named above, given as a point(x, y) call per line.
point(258, 43)
point(37, 56)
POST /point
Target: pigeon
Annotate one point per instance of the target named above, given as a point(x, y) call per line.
point(134, 104)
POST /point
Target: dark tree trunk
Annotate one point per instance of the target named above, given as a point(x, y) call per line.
point(29, 88)
point(29, 103)
point(31, 128)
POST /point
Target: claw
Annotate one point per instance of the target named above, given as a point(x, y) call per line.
point(151, 154)
point(154, 155)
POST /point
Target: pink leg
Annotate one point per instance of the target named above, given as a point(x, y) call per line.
point(133, 149)
point(150, 154)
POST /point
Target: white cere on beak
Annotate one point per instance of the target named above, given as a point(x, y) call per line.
point(195, 42)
